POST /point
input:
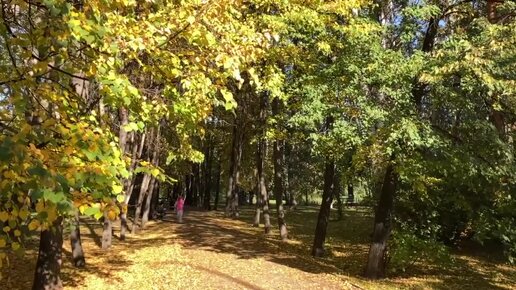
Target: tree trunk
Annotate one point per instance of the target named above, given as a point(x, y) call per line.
point(107, 232)
point(207, 176)
point(491, 10)
point(188, 189)
point(382, 227)
point(258, 211)
point(75, 240)
point(217, 185)
point(233, 174)
point(155, 200)
point(351, 192)
point(196, 192)
point(260, 164)
point(129, 183)
point(324, 211)
point(148, 201)
point(292, 202)
point(123, 115)
point(153, 181)
point(48, 266)
point(289, 197)
point(143, 191)
point(279, 177)
point(337, 193)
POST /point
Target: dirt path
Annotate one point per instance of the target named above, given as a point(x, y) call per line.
point(209, 251)
point(205, 252)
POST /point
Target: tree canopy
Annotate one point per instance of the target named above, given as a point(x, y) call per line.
point(107, 107)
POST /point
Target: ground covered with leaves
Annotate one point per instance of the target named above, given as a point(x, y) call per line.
point(209, 251)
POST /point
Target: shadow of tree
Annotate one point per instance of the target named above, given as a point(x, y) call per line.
point(90, 224)
point(347, 246)
point(246, 242)
point(222, 275)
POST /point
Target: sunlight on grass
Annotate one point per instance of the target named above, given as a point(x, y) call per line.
point(212, 252)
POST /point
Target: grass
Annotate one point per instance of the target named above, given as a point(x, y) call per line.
point(347, 245)
point(209, 251)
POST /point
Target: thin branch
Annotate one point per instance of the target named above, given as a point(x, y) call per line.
point(171, 37)
point(8, 29)
point(7, 128)
point(11, 81)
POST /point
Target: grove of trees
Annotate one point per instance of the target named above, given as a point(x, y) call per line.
point(109, 107)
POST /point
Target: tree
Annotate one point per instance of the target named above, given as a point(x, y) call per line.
point(280, 174)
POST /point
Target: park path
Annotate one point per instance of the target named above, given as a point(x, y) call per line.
point(207, 251)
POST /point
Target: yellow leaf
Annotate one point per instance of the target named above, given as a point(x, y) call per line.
point(34, 224)
point(17, 233)
point(15, 246)
point(24, 213)
point(51, 215)
point(6, 229)
point(40, 206)
point(190, 19)
point(117, 189)
point(120, 198)
point(112, 215)
point(4, 216)
point(3, 243)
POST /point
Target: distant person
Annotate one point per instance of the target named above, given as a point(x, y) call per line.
point(179, 205)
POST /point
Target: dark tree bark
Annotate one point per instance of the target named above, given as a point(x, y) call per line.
point(376, 262)
point(491, 10)
point(196, 188)
point(143, 191)
point(148, 201)
point(279, 177)
point(337, 193)
point(289, 197)
point(217, 184)
point(154, 200)
point(324, 211)
point(129, 183)
point(75, 240)
point(153, 181)
point(189, 189)
point(234, 167)
point(207, 175)
point(48, 266)
point(258, 210)
point(419, 89)
point(351, 192)
point(123, 115)
point(292, 202)
point(107, 232)
point(262, 187)
point(260, 164)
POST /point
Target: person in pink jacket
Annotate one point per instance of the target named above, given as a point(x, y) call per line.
point(179, 205)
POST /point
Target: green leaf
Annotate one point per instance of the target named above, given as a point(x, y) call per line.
point(37, 170)
point(91, 211)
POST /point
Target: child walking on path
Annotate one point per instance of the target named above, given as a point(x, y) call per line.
point(179, 208)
